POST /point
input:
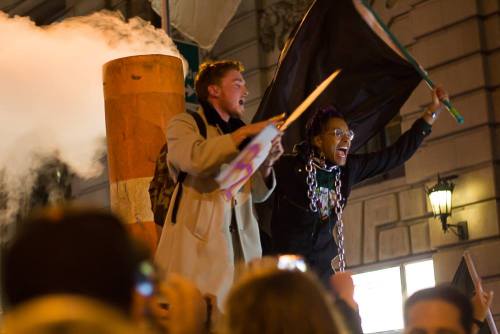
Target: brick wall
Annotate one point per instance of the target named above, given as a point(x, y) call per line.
point(457, 41)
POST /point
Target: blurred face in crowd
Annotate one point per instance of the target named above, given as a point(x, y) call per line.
point(229, 95)
point(334, 141)
point(433, 316)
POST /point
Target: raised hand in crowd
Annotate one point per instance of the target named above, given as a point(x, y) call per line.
point(343, 288)
point(481, 302)
point(187, 308)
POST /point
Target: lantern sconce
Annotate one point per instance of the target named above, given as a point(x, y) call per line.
point(440, 196)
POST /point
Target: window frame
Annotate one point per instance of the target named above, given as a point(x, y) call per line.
point(401, 263)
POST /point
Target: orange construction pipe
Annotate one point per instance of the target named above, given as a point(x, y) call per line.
point(141, 94)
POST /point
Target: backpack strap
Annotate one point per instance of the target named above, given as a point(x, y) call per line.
point(202, 128)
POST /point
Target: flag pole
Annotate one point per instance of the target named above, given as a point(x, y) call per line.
point(454, 112)
point(165, 16)
point(479, 288)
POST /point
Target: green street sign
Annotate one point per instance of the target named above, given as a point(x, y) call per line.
point(191, 53)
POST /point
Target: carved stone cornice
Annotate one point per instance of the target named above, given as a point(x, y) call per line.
point(277, 20)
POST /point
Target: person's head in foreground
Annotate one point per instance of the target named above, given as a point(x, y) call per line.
point(85, 252)
point(329, 135)
point(66, 314)
point(279, 301)
point(438, 310)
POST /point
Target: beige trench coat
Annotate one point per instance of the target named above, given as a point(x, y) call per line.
point(199, 245)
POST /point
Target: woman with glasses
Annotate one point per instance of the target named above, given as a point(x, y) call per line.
point(314, 182)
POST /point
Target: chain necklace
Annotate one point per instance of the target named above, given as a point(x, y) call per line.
point(340, 223)
point(312, 194)
point(312, 184)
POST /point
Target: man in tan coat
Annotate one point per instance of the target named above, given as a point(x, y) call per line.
point(210, 234)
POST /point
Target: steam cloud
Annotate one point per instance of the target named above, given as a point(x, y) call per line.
point(51, 98)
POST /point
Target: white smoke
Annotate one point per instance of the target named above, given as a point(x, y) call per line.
point(51, 96)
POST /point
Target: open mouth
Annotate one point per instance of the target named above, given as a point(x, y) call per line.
point(342, 151)
point(241, 102)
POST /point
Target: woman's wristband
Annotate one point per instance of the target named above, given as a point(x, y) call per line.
point(432, 114)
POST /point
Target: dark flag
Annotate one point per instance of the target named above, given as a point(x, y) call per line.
point(374, 83)
point(464, 281)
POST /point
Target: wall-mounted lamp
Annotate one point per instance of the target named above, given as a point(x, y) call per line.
point(440, 197)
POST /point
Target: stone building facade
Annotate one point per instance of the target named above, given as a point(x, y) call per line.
point(390, 222)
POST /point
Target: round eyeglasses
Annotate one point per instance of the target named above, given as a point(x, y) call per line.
point(339, 133)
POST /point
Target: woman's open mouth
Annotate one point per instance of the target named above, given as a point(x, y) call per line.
point(342, 151)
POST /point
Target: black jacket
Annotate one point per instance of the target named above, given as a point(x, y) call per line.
point(295, 229)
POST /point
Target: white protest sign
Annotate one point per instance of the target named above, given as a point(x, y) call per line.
point(232, 178)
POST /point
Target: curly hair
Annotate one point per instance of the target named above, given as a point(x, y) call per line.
point(211, 72)
point(316, 124)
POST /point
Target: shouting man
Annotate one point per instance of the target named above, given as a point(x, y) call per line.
point(205, 234)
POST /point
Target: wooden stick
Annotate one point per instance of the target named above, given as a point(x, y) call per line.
point(454, 112)
point(309, 100)
point(479, 289)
